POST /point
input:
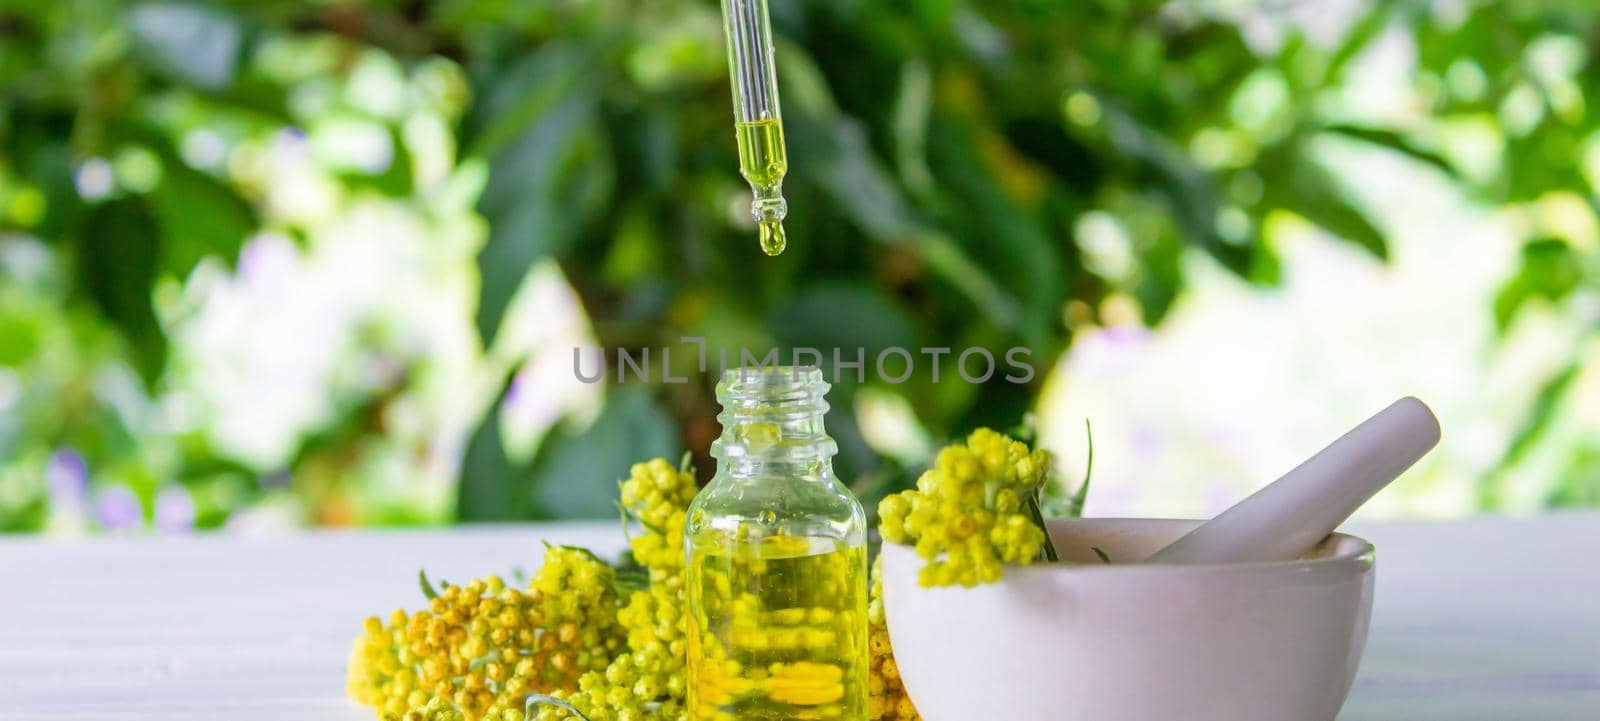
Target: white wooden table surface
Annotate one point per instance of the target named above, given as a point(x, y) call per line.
point(1487, 619)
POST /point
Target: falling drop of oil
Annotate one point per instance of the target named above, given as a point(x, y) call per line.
point(773, 239)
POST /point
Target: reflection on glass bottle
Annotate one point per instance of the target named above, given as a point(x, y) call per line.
point(777, 576)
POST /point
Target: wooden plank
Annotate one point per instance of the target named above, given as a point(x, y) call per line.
point(1485, 619)
point(1489, 619)
point(223, 627)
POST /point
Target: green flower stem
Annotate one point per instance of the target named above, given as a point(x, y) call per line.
point(1048, 552)
point(540, 699)
point(1075, 503)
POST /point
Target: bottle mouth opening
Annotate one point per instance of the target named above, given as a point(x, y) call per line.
point(773, 413)
point(772, 383)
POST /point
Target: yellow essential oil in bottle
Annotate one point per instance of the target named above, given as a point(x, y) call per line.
point(777, 563)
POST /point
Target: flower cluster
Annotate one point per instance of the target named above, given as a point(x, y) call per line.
point(888, 700)
point(477, 650)
point(647, 681)
point(439, 709)
point(658, 495)
point(973, 511)
point(580, 650)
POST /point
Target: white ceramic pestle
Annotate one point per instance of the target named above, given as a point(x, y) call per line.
point(1288, 518)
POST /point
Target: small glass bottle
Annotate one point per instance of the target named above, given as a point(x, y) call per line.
point(777, 554)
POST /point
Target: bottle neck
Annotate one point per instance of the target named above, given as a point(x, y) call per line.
point(772, 423)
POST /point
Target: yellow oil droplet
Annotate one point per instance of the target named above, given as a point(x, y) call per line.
point(773, 239)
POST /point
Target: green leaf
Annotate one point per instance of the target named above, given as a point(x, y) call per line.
point(628, 580)
point(1333, 214)
point(1190, 190)
point(20, 336)
point(1101, 553)
point(1367, 27)
point(1004, 239)
point(395, 179)
point(490, 488)
point(1307, 188)
point(835, 152)
point(516, 97)
point(189, 235)
point(118, 253)
point(804, 85)
point(549, 172)
point(1396, 142)
point(844, 315)
point(1026, 430)
point(577, 549)
point(1531, 167)
point(575, 473)
point(912, 110)
point(1580, 480)
point(1540, 417)
point(427, 588)
point(1550, 270)
point(1048, 552)
point(193, 43)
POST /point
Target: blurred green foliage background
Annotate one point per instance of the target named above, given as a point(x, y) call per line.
point(280, 263)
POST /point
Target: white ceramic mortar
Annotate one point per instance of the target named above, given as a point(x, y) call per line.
point(1272, 641)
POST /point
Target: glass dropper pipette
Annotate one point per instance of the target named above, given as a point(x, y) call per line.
point(763, 159)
